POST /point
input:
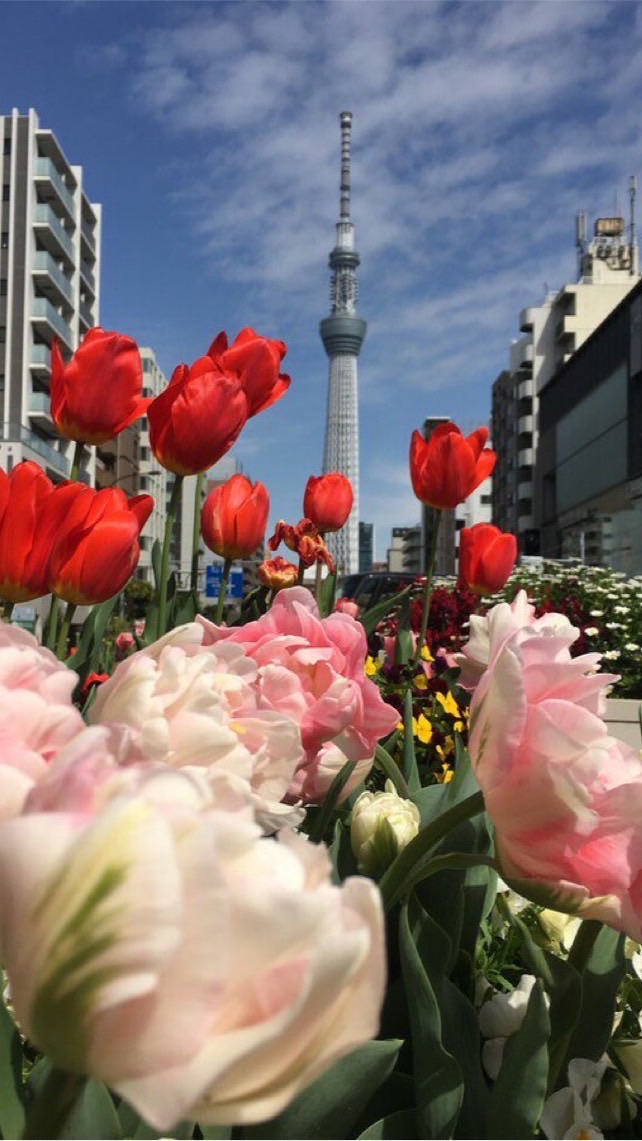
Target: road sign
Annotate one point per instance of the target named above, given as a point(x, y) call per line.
point(214, 578)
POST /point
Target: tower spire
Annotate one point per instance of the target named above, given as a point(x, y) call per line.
point(343, 333)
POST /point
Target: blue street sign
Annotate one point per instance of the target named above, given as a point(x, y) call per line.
point(214, 578)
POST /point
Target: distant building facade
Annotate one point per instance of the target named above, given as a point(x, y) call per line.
point(588, 485)
point(404, 552)
point(366, 547)
point(50, 241)
point(551, 333)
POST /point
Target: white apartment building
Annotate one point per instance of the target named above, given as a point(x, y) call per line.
point(608, 267)
point(151, 477)
point(50, 236)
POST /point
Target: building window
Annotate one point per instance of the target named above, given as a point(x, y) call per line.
point(4, 240)
point(5, 192)
point(3, 334)
point(7, 147)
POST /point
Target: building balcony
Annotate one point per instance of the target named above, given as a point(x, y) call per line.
point(50, 278)
point(40, 360)
point(526, 456)
point(88, 235)
point(55, 459)
point(87, 277)
point(50, 323)
point(40, 412)
point(525, 424)
point(51, 184)
point(86, 315)
point(525, 388)
point(52, 233)
point(527, 319)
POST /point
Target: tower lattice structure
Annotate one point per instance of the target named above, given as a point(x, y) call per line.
point(343, 334)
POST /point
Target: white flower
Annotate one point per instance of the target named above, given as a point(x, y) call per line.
point(596, 613)
point(591, 631)
point(631, 646)
point(501, 1016)
point(611, 655)
point(382, 824)
point(567, 1113)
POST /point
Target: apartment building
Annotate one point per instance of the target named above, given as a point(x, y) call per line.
point(50, 239)
point(608, 268)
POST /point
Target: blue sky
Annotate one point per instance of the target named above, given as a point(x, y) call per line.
point(209, 132)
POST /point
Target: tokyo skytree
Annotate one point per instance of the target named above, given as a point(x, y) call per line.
point(343, 333)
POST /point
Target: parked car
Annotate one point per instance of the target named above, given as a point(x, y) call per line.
point(367, 589)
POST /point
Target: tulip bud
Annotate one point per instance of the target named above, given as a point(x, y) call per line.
point(234, 518)
point(328, 500)
point(382, 824)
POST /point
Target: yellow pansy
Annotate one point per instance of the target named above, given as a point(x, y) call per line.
point(372, 667)
point(449, 704)
point(420, 681)
point(424, 729)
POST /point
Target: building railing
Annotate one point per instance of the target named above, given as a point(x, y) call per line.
point(45, 215)
point(44, 262)
point(44, 168)
point(43, 309)
point(20, 434)
point(40, 355)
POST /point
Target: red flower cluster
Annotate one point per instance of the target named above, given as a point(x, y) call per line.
point(78, 543)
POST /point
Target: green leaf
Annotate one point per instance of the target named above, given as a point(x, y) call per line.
point(327, 595)
point(215, 1132)
point(92, 1113)
point(186, 607)
point(601, 979)
point(371, 618)
point(12, 1109)
point(410, 770)
point(90, 645)
point(341, 855)
point(518, 1095)
point(335, 1101)
point(438, 1079)
point(400, 1126)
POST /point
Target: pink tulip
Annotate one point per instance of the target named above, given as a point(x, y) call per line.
point(187, 704)
point(37, 717)
point(155, 940)
point(565, 798)
point(312, 670)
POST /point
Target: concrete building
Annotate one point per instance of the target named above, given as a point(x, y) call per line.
point(343, 333)
point(404, 552)
point(588, 486)
point(608, 268)
point(50, 236)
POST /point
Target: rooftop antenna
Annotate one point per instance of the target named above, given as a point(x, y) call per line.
point(632, 193)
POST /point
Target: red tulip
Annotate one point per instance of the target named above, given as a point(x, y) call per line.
point(24, 536)
point(234, 518)
point(487, 557)
point(328, 500)
point(198, 417)
point(100, 391)
point(96, 549)
point(446, 468)
point(256, 362)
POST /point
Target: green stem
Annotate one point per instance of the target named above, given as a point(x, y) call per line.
point(7, 611)
point(578, 957)
point(52, 623)
point(392, 771)
point(318, 581)
point(407, 864)
point(63, 639)
point(76, 461)
point(220, 605)
point(428, 591)
point(51, 1107)
point(452, 861)
point(172, 512)
point(196, 538)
